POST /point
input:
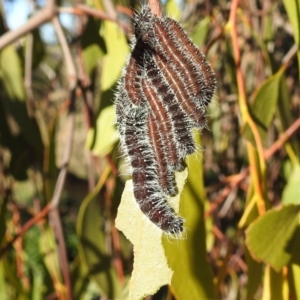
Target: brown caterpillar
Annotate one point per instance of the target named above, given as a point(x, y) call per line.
point(163, 93)
point(206, 75)
point(146, 189)
point(165, 100)
point(164, 125)
point(166, 178)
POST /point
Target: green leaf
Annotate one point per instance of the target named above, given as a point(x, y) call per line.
point(277, 282)
point(38, 290)
point(192, 277)
point(284, 103)
point(92, 247)
point(42, 284)
point(200, 31)
point(269, 31)
point(79, 278)
point(294, 275)
point(293, 10)
point(91, 56)
point(291, 192)
point(117, 51)
point(294, 247)
point(102, 139)
point(269, 238)
point(48, 248)
point(14, 106)
point(3, 283)
point(11, 73)
point(274, 285)
point(255, 271)
point(210, 237)
point(264, 106)
point(284, 111)
point(298, 57)
point(12, 279)
point(24, 191)
point(93, 45)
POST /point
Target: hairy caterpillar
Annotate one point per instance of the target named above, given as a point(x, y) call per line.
point(164, 124)
point(144, 175)
point(166, 100)
point(163, 93)
point(166, 178)
point(206, 76)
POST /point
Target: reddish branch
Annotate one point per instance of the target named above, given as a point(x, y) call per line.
point(35, 220)
point(43, 16)
point(282, 139)
point(155, 7)
point(234, 180)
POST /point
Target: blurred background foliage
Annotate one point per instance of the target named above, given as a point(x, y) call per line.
point(62, 174)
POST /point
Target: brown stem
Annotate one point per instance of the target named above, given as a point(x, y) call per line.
point(56, 225)
point(282, 139)
point(54, 214)
point(155, 7)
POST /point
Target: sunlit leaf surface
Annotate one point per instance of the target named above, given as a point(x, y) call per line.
point(269, 237)
point(150, 267)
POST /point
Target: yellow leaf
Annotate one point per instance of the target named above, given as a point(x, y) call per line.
point(150, 267)
point(102, 139)
point(117, 50)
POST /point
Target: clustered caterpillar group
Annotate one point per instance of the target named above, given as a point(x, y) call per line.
point(163, 93)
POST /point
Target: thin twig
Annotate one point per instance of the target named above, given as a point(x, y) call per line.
point(282, 139)
point(45, 15)
point(81, 9)
point(124, 10)
point(155, 7)
point(207, 47)
point(72, 79)
point(290, 54)
point(70, 65)
point(233, 184)
point(54, 214)
point(36, 219)
point(56, 225)
point(109, 7)
point(236, 179)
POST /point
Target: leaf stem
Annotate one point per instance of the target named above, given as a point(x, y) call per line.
point(258, 175)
